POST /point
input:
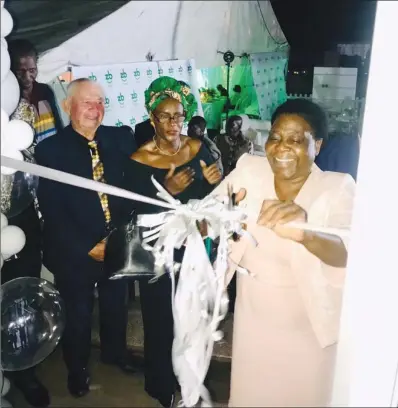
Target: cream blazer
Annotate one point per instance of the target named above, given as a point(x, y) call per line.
point(328, 199)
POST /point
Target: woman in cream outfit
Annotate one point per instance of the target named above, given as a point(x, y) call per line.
point(287, 315)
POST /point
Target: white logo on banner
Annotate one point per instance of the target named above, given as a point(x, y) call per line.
point(268, 69)
point(125, 84)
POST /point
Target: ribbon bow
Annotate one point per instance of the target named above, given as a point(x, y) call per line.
point(200, 301)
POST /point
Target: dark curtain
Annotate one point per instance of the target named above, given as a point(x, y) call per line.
point(320, 25)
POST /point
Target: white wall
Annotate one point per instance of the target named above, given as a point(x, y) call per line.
point(367, 364)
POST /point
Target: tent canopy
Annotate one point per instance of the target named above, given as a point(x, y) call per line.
point(49, 23)
point(167, 29)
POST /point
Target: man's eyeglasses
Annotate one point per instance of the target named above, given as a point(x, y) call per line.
point(165, 117)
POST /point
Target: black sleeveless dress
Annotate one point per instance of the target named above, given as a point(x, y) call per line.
point(160, 382)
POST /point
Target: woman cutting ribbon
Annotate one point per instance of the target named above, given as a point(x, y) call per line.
point(186, 169)
point(287, 314)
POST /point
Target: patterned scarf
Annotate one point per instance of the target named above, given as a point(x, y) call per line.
point(45, 122)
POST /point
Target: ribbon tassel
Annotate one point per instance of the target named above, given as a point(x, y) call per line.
point(199, 302)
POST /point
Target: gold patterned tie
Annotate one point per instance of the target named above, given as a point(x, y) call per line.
point(98, 175)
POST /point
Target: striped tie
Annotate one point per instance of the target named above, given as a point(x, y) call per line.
point(98, 175)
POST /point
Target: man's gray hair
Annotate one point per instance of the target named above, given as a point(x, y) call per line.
point(76, 82)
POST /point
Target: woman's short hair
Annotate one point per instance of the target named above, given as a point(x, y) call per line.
point(311, 112)
point(21, 48)
point(232, 119)
point(198, 120)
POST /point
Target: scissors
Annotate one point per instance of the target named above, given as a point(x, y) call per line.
point(231, 205)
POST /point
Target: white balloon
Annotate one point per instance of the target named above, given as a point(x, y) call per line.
point(18, 135)
point(13, 155)
point(3, 124)
point(12, 241)
point(10, 93)
point(3, 222)
point(5, 61)
point(6, 22)
point(5, 386)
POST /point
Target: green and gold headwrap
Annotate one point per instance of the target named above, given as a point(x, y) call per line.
point(167, 87)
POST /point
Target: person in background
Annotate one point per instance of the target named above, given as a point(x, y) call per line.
point(287, 312)
point(222, 91)
point(340, 153)
point(144, 132)
point(184, 166)
point(237, 94)
point(26, 112)
point(233, 145)
point(26, 263)
point(76, 224)
point(196, 129)
point(24, 65)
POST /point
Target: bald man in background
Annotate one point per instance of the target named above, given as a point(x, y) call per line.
point(76, 222)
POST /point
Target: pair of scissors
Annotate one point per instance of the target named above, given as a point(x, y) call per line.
point(231, 197)
point(231, 205)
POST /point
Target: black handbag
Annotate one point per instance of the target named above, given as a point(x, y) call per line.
point(125, 257)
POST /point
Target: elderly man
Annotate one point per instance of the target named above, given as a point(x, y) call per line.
point(76, 223)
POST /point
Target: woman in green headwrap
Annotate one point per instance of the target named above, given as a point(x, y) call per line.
point(187, 170)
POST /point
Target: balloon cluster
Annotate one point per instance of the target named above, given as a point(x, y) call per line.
point(12, 237)
point(32, 322)
point(17, 190)
point(16, 135)
point(32, 313)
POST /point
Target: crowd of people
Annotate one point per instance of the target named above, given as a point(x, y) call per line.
point(286, 319)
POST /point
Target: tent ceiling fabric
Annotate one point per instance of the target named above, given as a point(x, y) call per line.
point(169, 29)
point(49, 23)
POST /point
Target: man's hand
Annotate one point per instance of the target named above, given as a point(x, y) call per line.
point(98, 252)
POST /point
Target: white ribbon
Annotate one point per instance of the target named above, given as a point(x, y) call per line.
point(200, 302)
point(97, 186)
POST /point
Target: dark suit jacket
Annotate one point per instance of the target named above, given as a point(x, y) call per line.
point(144, 132)
point(73, 217)
point(340, 153)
